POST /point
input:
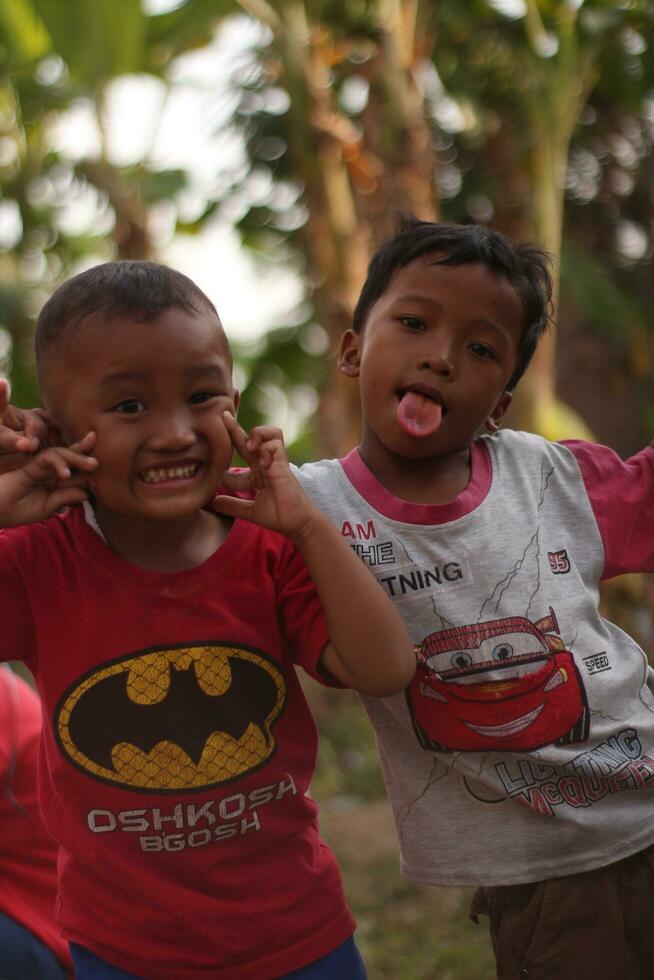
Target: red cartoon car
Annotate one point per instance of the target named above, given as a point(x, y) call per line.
point(504, 685)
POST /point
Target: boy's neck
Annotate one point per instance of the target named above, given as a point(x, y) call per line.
point(435, 480)
point(164, 546)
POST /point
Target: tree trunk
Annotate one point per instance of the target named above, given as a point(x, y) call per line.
point(352, 170)
point(552, 112)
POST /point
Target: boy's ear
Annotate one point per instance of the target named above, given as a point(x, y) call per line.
point(349, 357)
point(494, 419)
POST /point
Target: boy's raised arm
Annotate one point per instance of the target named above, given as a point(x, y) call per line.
point(369, 649)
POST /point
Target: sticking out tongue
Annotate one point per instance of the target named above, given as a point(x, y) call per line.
point(419, 415)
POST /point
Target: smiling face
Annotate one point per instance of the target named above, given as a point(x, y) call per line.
point(154, 393)
point(433, 360)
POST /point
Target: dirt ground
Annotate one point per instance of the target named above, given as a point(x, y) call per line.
point(405, 931)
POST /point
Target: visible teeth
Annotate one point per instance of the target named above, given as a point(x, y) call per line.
point(169, 473)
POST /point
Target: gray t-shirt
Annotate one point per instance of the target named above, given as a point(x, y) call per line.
point(524, 748)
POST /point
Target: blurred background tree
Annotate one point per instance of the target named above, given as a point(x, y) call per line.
point(539, 87)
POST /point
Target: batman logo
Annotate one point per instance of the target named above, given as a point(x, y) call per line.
point(174, 718)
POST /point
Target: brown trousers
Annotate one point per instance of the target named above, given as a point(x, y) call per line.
point(598, 925)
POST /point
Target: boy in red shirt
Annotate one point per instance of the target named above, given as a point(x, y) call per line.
point(178, 747)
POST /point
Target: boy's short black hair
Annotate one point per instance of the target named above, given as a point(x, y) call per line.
point(525, 266)
point(138, 289)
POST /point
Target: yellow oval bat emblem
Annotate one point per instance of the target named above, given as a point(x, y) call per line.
point(174, 718)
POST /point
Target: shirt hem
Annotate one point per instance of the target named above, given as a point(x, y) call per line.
point(591, 863)
point(274, 965)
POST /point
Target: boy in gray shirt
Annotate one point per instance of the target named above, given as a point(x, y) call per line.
point(521, 758)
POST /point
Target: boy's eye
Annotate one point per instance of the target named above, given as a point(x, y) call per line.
point(482, 350)
point(131, 406)
point(198, 397)
point(412, 322)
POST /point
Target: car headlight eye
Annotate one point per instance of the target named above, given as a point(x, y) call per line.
point(503, 651)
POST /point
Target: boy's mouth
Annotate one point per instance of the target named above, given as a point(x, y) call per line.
point(420, 410)
point(170, 472)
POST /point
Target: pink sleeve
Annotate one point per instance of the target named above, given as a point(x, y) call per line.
point(621, 493)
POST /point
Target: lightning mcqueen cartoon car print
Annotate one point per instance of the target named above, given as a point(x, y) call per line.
point(505, 685)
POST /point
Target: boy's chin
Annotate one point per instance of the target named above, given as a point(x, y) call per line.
point(414, 447)
point(158, 512)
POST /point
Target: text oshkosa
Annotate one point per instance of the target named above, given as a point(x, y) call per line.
point(188, 824)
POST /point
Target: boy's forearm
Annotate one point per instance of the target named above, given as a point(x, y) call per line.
point(370, 648)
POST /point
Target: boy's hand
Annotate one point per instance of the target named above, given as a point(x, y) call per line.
point(46, 482)
point(279, 503)
point(22, 431)
point(368, 648)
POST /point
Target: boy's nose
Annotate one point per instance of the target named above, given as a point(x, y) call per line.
point(172, 433)
point(440, 361)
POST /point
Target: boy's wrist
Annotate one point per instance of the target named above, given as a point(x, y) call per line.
point(310, 529)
